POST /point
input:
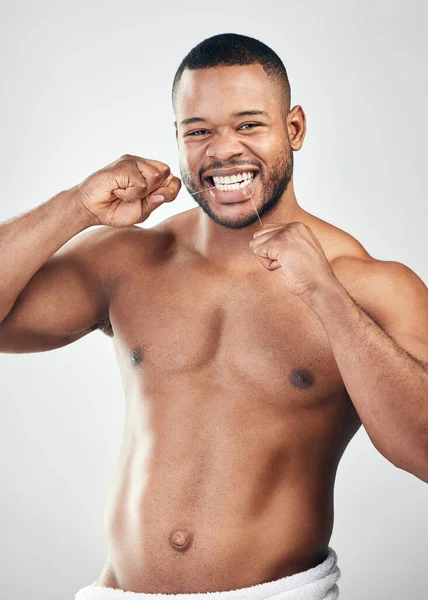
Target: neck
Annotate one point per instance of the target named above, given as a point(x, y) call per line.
point(230, 247)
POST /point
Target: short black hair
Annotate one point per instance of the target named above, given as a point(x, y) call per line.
point(231, 49)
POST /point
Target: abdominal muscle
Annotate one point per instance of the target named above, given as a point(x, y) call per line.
point(215, 491)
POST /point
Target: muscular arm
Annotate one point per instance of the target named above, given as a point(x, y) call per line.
point(384, 369)
point(50, 291)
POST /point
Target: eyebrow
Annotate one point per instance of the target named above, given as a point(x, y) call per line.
point(243, 113)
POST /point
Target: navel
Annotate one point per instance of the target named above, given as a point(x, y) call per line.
point(180, 539)
point(301, 378)
point(136, 356)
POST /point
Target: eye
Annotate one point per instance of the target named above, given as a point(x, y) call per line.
point(196, 132)
point(249, 125)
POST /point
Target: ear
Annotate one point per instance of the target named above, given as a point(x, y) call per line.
point(296, 123)
point(176, 131)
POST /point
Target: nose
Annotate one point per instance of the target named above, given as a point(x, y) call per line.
point(224, 147)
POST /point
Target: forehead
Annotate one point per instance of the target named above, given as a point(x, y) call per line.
point(221, 90)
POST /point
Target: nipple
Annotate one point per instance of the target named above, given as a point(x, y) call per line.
point(136, 356)
point(301, 378)
point(180, 539)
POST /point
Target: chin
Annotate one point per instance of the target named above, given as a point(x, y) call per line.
point(230, 222)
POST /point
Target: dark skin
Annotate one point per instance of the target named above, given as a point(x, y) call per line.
point(233, 346)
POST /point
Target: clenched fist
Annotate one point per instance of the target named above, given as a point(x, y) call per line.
point(294, 248)
point(126, 191)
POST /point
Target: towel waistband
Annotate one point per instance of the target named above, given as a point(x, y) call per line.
point(318, 583)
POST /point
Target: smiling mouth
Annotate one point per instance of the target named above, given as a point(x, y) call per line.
point(232, 183)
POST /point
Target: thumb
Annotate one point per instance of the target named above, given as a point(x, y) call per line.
point(155, 199)
point(150, 203)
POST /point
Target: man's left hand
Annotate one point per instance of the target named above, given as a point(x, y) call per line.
point(294, 248)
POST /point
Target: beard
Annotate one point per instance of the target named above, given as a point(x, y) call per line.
point(273, 185)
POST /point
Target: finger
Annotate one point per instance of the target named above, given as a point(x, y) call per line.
point(144, 164)
point(262, 239)
point(149, 174)
point(160, 167)
point(269, 263)
point(173, 187)
point(268, 227)
point(270, 249)
point(168, 192)
point(131, 186)
point(275, 264)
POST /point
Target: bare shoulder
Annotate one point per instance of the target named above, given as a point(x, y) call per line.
point(336, 242)
point(389, 291)
point(106, 238)
point(119, 251)
point(114, 248)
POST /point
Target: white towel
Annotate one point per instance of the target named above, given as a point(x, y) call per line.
point(318, 583)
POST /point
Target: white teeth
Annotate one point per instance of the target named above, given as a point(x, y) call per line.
point(234, 182)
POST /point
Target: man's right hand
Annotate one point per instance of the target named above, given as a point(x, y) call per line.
point(126, 191)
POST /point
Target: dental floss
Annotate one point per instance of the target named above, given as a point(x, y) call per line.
point(194, 193)
point(255, 208)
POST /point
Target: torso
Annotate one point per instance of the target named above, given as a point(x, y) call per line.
point(236, 419)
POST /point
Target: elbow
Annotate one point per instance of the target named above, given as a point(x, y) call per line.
point(416, 464)
point(423, 472)
point(420, 473)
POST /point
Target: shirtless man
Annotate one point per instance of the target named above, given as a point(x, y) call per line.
point(250, 355)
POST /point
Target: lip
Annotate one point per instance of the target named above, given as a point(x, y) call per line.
point(237, 196)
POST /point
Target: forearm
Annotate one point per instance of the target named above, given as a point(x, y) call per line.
point(388, 388)
point(29, 240)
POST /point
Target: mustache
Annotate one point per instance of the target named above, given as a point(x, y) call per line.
point(225, 165)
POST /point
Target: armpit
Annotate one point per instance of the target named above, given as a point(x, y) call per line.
point(105, 327)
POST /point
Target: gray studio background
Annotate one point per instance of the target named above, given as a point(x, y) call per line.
point(85, 82)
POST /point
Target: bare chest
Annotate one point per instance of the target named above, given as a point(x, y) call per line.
point(179, 322)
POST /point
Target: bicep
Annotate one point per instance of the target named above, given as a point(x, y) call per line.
point(394, 297)
point(60, 304)
point(406, 315)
